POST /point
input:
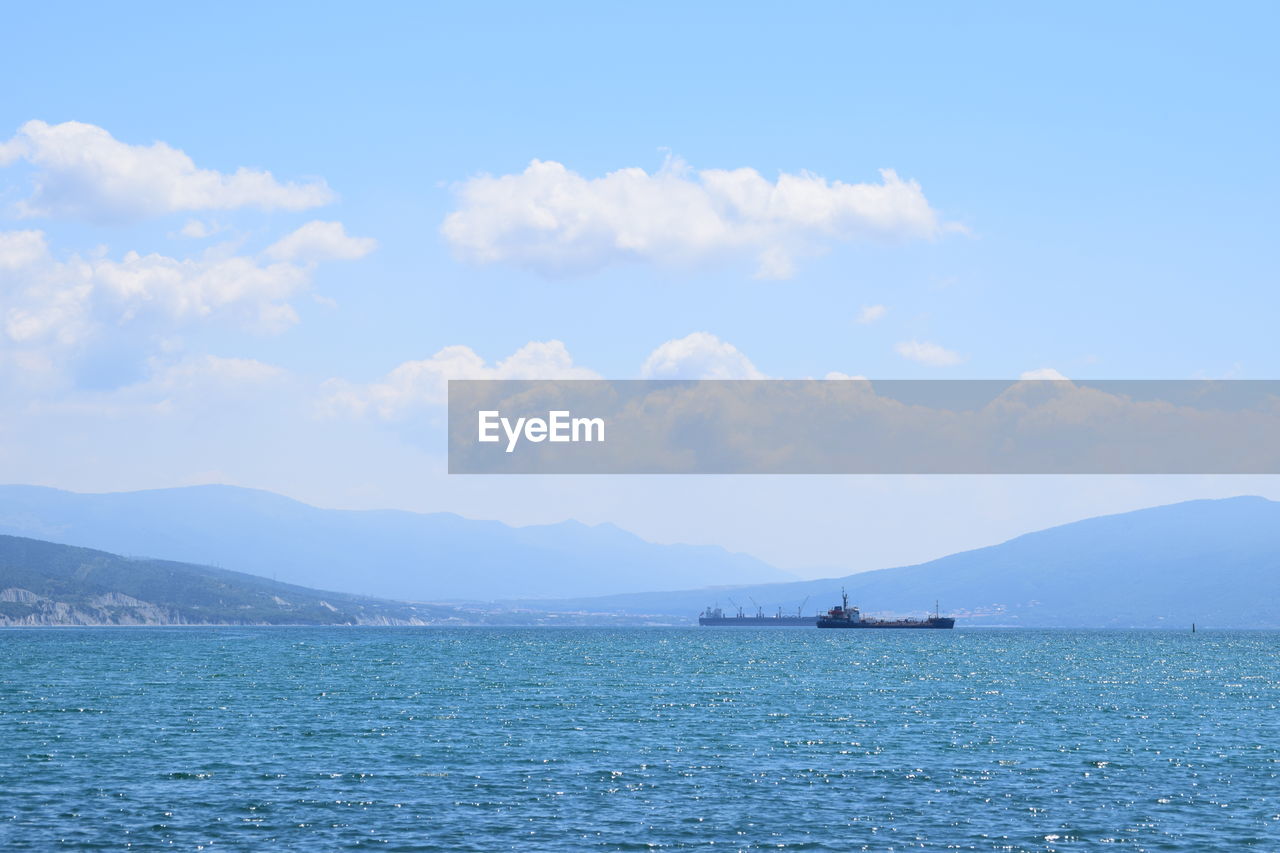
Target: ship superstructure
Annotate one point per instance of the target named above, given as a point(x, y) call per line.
point(844, 616)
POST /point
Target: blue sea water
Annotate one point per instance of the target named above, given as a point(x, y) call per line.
point(635, 739)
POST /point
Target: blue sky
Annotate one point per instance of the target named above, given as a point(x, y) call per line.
point(1102, 177)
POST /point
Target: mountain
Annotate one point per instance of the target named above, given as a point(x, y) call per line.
point(43, 583)
point(384, 553)
point(1214, 562)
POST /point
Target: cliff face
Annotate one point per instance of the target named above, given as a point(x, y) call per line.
point(28, 608)
point(24, 608)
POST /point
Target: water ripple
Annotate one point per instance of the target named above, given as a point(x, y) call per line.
point(662, 739)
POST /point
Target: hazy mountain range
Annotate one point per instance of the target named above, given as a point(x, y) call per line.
point(1215, 562)
point(385, 553)
point(44, 583)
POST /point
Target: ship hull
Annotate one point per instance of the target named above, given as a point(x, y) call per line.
point(758, 621)
point(941, 622)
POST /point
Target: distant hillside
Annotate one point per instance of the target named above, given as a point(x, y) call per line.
point(1214, 562)
point(386, 553)
point(43, 583)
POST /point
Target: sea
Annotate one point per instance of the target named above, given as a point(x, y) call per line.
point(417, 739)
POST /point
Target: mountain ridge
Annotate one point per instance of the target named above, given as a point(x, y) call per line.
point(1215, 562)
point(1212, 561)
point(382, 552)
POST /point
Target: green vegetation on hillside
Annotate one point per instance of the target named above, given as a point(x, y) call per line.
point(44, 583)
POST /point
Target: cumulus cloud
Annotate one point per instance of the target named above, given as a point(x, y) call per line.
point(699, 356)
point(931, 354)
point(1041, 373)
point(44, 297)
point(872, 313)
point(83, 172)
point(414, 384)
point(417, 384)
point(555, 221)
point(75, 302)
point(321, 241)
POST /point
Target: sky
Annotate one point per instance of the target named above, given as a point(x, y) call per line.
point(248, 244)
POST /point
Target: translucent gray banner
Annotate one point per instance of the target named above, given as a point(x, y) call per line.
point(864, 427)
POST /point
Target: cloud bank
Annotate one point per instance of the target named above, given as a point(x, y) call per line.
point(555, 221)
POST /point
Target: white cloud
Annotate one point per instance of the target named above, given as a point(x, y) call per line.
point(74, 302)
point(321, 241)
point(699, 356)
point(1041, 373)
point(49, 299)
point(82, 171)
point(197, 229)
point(871, 313)
point(835, 374)
point(19, 249)
point(414, 384)
point(924, 352)
point(555, 221)
point(417, 384)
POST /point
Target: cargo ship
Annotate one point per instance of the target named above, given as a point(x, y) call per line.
point(844, 616)
point(715, 617)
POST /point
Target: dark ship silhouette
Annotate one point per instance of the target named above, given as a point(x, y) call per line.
point(844, 616)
